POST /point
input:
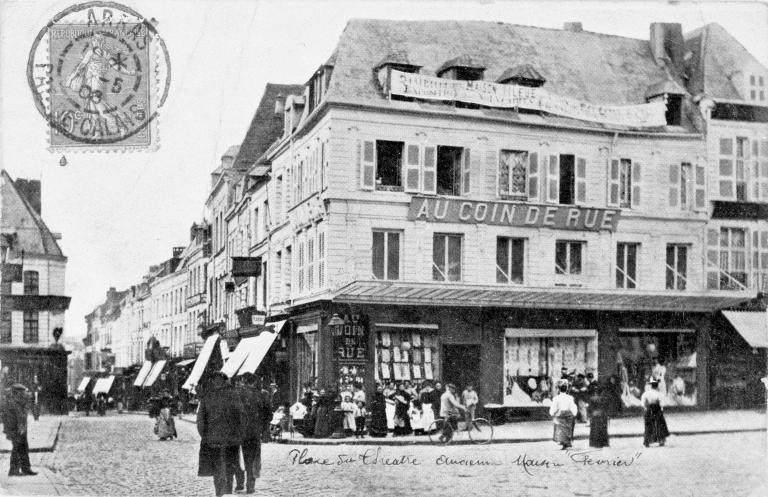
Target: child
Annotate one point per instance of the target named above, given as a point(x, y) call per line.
point(349, 408)
point(416, 413)
point(360, 415)
point(469, 399)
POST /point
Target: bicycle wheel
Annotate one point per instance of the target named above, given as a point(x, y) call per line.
point(436, 432)
point(481, 431)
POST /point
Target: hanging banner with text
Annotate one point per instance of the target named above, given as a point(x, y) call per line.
point(564, 217)
point(523, 97)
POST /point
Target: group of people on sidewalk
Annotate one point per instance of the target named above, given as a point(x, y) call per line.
point(232, 419)
point(596, 404)
point(400, 408)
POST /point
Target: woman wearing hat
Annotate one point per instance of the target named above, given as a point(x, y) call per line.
point(655, 424)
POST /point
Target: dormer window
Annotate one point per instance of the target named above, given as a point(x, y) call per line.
point(294, 107)
point(317, 87)
point(463, 68)
point(522, 75)
point(671, 94)
point(397, 61)
point(757, 88)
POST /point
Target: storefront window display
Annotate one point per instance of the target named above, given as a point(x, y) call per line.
point(350, 349)
point(407, 354)
point(306, 358)
point(669, 357)
point(533, 361)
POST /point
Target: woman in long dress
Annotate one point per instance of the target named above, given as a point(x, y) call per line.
point(563, 411)
point(389, 395)
point(379, 414)
point(655, 424)
point(427, 398)
point(660, 373)
point(165, 426)
point(323, 425)
point(598, 415)
point(402, 408)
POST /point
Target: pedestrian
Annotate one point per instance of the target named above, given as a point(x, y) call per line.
point(598, 415)
point(379, 413)
point(360, 416)
point(563, 411)
point(101, 404)
point(358, 395)
point(389, 396)
point(35, 391)
point(257, 413)
point(429, 398)
point(349, 409)
point(165, 426)
point(470, 400)
point(449, 410)
point(655, 424)
point(87, 399)
point(417, 417)
point(15, 429)
point(402, 408)
point(579, 393)
point(323, 425)
point(220, 423)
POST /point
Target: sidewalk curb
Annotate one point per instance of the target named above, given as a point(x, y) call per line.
point(38, 450)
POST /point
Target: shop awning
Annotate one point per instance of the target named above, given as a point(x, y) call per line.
point(84, 383)
point(143, 372)
point(753, 326)
point(260, 348)
point(238, 357)
point(202, 362)
point(103, 385)
point(186, 362)
point(452, 295)
point(155, 373)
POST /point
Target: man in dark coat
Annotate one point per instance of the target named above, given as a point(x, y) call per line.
point(15, 428)
point(220, 422)
point(257, 417)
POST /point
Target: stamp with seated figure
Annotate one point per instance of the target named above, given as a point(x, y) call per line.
point(99, 73)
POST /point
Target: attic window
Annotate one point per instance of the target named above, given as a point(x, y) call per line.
point(397, 61)
point(318, 87)
point(522, 75)
point(674, 112)
point(463, 68)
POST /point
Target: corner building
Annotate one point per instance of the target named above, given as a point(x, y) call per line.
point(487, 203)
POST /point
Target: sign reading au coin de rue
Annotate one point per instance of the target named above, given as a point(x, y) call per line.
point(564, 217)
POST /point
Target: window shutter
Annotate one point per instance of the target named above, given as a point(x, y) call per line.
point(726, 169)
point(368, 165)
point(430, 170)
point(581, 180)
point(613, 183)
point(466, 174)
point(762, 282)
point(412, 168)
point(636, 184)
point(700, 189)
point(674, 184)
point(553, 179)
point(533, 177)
point(713, 259)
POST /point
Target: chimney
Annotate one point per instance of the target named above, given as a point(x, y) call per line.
point(574, 27)
point(668, 46)
point(279, 105)
point(30, 190)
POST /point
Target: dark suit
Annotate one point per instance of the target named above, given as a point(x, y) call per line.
point(220, 422)
point(15, 428)
point(257, 417)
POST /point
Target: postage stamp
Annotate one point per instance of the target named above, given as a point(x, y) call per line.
point(99, 73)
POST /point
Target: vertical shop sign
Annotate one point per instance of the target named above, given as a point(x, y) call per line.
point(350, 340)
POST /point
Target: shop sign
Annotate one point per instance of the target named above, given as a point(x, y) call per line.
point(514, 96)
point(350, 340)
point(564, 217)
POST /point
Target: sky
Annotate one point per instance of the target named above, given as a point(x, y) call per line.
point(119, 213)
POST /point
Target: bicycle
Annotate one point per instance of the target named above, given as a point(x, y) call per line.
point(480, 431)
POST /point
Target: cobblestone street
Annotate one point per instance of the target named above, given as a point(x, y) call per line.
point(119, 455)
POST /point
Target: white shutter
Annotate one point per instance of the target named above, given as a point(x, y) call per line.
point(674, 184)
point(553, 179)
point(613, 183)
point(726, 169)
point(534, 176)
point(368, 165)
point(700, 187)
point(412, 168)
point(636, 184)
point(466, 173)
point(713, 259)
point(430, 170)
point(581, 181)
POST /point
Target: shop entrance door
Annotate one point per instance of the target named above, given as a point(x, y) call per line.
point(461, 365)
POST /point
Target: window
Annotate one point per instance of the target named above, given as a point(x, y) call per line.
point(625, 183)
point(6, 330)
point(510, 260)
point(568, 258)
point(674, 111)
point(446, 257)
point(389, 163)
point(727, 259)
point(677, 267)
point(310, 263)
point(759, 170)
point(300, 266)
point(626, 265)
point(31, 327)
point(449, 168)
point(742, 155)
point(256, 227)
point(321, 259)
point(277, 275)
point(31, 283)
point(567, 179)
point(734, 157)
point(385, 260)
point(514, 174)
point(288, 278)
